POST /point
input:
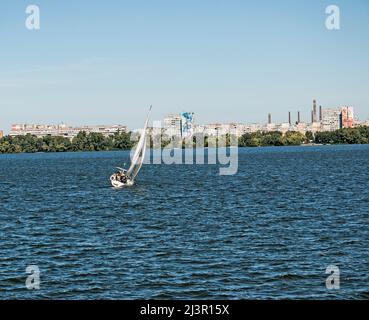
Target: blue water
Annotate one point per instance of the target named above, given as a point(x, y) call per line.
point(185, 232)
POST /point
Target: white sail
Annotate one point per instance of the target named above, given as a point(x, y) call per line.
point(139, 155)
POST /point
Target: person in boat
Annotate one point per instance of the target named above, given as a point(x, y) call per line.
point(121, 176)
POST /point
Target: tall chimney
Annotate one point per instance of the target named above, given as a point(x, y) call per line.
point(314, 111)
point(269, 118)
point(289, 117)
point(320, 113)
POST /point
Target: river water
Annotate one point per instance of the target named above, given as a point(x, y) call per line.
point(184, 231)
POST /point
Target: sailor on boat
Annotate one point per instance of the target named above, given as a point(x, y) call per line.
point(123, 177)
point(120, 175)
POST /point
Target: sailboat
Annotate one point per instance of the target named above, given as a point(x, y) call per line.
point(126, 178)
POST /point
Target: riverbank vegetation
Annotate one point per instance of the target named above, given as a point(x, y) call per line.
point(275, 138)
point(124, 141)
point(82, 142)
point(359, 135)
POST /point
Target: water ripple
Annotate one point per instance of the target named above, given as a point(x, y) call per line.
point(184, 231)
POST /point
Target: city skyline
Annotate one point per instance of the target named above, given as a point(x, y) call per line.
point(183, 124)
point(293, 116)
point(203, 56)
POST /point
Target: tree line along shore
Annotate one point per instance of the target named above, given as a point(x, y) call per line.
point(123, 141)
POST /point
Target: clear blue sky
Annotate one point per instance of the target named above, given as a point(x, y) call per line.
point(107, 61)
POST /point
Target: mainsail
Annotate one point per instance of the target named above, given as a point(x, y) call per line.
point(139, 155)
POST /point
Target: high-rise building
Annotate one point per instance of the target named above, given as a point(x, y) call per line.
point(337, 118)
point(331, 119)
point(179, 124)
point(347, 117)
point(172, 125)
point(1, 134)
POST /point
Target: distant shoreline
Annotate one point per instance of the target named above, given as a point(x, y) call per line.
point(121, 150)
point(123, 141)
